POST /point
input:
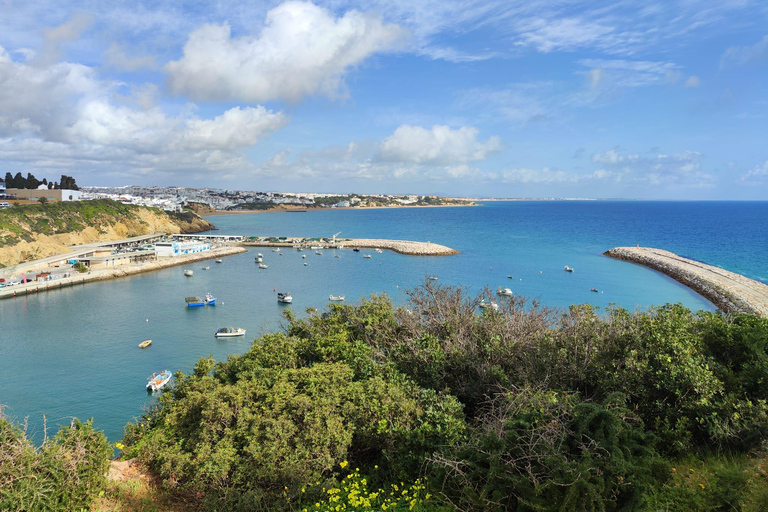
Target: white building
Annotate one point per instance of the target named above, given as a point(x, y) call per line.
point(169, 249)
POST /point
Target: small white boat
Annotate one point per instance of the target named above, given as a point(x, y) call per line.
point(432, 278)
point(568, 269)
point(217, 260)
point(379, 251)
point(336, 256)
point(263, 265)
point(158, 380)
point(303, 256)
point(337, 298)
point(367, 256)
point(483, 304)
point(230, 332)
point(259, 255)
point(319, 253)
point(306, 264)
point(275, 250)
point(188, 273)
point(316, 247)
point(285, 298)
point(145, 343)
point(259, 259)
point(206, 268)
point(506, 291)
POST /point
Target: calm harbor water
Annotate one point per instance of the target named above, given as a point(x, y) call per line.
point(73, 352)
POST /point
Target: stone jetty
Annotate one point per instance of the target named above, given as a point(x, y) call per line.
point(401, 246)
point(728, 291)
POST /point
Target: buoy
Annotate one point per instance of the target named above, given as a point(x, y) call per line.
point(147, 319)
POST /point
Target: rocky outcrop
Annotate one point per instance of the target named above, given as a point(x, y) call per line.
point(727, 290)
point(37, 231)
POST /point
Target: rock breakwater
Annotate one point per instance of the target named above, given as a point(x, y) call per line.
point(727, 290)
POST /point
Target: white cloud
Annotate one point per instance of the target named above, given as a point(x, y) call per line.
point(741, 55)
point(570, 34)
point(438, 145)
point(630, 73)
point(756, 176)
point(548, 176)
point(65, 109)
point(692, 81)
point(55, 36)
point(302, 50)
point(679, 170)
point(116, 57)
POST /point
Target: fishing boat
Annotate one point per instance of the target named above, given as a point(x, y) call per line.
point(259, 259)
point(275, 250)
point(337, 298)
point(206, 268)
point(284, 298)
point(208, 300)
point(158, 380)
point(230, 332)
point(432, 278)
point(145, 343)
point(188, 273)
point(217, 260)
point(303, 256)
point(568, 269)
point(506, 291)
point(367, 256)
point(593, 289)
point(263, 265)
point(379, 251)
point(356, 249)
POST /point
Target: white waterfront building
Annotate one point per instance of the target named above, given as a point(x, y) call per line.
point(169, 249)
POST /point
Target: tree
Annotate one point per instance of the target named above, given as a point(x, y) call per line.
point(9, 180)
point(32, 182)
point(43, 200)
point(19, 181)
point(68, 183)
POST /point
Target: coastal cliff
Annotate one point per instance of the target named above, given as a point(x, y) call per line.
point(729, 291)
point(36, 231)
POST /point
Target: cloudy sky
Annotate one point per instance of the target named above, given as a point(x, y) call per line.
point(503, 98)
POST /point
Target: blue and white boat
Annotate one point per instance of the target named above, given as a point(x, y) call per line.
point(158, 380)
point(194, 302)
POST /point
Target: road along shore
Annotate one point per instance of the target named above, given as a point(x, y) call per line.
point(727, 290)
point(115, 272)
point(400, 246)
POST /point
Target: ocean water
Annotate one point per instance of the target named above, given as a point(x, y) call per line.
point(73, 352)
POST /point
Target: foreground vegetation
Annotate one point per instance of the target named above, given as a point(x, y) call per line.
point(433, 407)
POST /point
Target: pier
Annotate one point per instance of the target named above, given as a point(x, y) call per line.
point(399, 246)
point(727, 290)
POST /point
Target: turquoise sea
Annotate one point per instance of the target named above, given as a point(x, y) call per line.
point(73, 352)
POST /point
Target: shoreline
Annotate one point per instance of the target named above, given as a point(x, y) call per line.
point(217, 213)
point(21, 290)
point(729, 291)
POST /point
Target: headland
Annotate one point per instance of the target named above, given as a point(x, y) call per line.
point(727, 290)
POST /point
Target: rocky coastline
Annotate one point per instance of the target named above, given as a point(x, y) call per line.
point(727, 290)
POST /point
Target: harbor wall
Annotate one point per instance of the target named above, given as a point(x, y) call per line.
point(727, 290)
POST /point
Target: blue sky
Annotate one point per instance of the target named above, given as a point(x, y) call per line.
point(544, 98)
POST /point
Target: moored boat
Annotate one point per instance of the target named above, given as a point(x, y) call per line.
point(506, 291)
point(145, 343)
point(483, 304)
point(158, 380)
point(208, 300)
point(217, 260)
point(356, 249)
point(206, 268)
point(432, 278)
point(259, 259)
point(568, 269)
point(263, 265)
point(188, 273)
point(284, 298)
point(593, 289)
point(337, 298)
point(367, 256)
point(230, 332)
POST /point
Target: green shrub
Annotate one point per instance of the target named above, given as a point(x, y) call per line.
point(66, 473)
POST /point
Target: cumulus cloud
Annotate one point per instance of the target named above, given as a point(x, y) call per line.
point(302, 50)
point(438, 145)
point(66, 108)
point(741, 55)
point(682, 170)
point(55, 36)
point(756, 176)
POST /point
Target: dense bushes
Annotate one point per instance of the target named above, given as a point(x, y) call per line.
point(521, 409)
point(65, 474)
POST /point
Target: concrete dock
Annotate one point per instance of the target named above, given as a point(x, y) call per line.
point(727, 290)
point(399, 246)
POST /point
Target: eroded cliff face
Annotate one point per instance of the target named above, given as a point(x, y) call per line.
point(37, 231)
